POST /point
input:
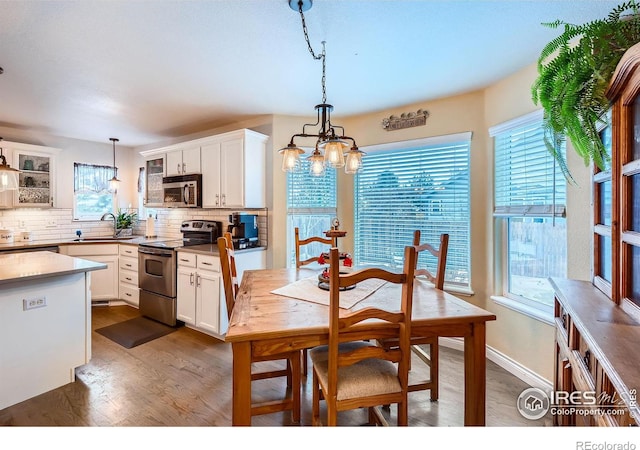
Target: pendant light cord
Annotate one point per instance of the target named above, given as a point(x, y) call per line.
point(321, 56)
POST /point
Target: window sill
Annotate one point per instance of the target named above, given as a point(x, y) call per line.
point(543, 313)
point(458, 290)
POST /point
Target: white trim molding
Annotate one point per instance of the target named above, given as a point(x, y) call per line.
point(513, 367)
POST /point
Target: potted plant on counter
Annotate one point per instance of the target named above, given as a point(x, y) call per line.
point(125, 221)
point(574, 73)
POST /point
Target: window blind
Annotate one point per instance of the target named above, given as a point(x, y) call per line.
point(311, 204)
point(91, 178)
point(527, 181)
point(307, 194)
point(401, 190)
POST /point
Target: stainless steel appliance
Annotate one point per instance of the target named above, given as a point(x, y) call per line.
point(157, 268)
point(182, 191)
point(244, 230)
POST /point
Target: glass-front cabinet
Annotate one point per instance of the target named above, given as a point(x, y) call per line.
point(36, 180)
point(617, 192)
point(154, 168)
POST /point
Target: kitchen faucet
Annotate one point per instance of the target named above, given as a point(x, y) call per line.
point(115, 222)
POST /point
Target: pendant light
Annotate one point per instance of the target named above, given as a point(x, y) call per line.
point(329, 139)
point(8, 176)
point(114, 182)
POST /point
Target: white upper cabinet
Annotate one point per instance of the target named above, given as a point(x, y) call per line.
point(232, 167)
point(36, 180)
point(234, 170)
point(184, 161)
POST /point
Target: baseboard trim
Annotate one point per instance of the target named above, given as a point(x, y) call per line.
point(513, 367)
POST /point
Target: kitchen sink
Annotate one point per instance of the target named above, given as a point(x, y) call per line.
point(107, 238)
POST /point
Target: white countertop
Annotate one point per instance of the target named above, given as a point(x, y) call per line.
point(33, 265)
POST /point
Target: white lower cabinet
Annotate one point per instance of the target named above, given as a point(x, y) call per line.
point(104, 283)
point(198, 284)
point(128, 275)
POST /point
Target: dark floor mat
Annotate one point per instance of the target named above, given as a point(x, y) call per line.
point(133, 332)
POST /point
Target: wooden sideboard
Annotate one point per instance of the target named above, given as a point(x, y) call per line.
point(597, 354)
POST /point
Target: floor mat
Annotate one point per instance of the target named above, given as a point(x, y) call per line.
point(136, 331)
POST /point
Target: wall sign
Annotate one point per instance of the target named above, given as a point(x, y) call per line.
point(406, 120)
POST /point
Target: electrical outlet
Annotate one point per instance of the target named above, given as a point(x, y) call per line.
point(52, 223)
point(22, 224)
point(33, 303)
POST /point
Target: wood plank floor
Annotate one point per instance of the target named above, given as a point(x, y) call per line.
point(184, 379)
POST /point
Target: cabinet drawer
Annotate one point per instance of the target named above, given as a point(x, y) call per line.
point(129, 277)
point(186, 259)
point(129, 294)
point(129, 250)
point(128, 264)
point(209, 263)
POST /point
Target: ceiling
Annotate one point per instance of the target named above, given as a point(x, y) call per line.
point(149, 70)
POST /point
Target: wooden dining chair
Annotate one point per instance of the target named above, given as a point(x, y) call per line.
point(350, 372)
point(431, 358)
point(291, 401)
point(331, 242)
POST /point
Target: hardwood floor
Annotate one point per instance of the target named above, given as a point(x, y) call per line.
point(184, 379)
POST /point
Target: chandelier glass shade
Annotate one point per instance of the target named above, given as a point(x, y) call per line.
point(8, 175)
point(330, 138)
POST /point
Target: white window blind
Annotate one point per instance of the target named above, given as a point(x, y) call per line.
point(311, 204)
point(527, 181)
point(424, 187)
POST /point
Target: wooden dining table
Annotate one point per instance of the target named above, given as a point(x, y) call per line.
point(263, 323)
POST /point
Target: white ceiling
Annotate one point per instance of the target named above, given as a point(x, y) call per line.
point(149, 70)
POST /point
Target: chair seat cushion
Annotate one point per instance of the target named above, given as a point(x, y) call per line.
point(365, 378)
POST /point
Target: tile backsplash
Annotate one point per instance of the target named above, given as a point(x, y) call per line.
point(47, 224)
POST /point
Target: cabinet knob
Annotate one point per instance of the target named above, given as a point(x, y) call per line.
point(184, 168)
point(224, 199)
point(191, 279)
point(217, 199)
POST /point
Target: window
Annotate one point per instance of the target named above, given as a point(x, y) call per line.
point(411, 185)
point(91, 195)
point(529, 202)
point(311, 205)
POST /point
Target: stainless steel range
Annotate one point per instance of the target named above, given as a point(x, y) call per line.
point(157, 268)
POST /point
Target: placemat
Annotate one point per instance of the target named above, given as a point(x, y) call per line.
point(307, 289)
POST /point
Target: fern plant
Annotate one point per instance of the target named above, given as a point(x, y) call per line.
point(574, 71)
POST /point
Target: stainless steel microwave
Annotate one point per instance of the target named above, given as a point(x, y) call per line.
point(182, 191)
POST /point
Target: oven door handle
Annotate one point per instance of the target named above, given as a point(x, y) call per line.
point(153, 252)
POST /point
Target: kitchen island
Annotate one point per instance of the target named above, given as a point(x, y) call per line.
point(45, 322)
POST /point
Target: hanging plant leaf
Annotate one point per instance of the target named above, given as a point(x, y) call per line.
point(574, 71)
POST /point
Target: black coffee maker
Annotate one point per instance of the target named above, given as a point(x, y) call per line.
point(244, 230)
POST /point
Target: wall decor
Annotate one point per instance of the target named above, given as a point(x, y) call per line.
point(406, 120)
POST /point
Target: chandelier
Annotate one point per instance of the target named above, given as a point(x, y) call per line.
point(330, 138)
